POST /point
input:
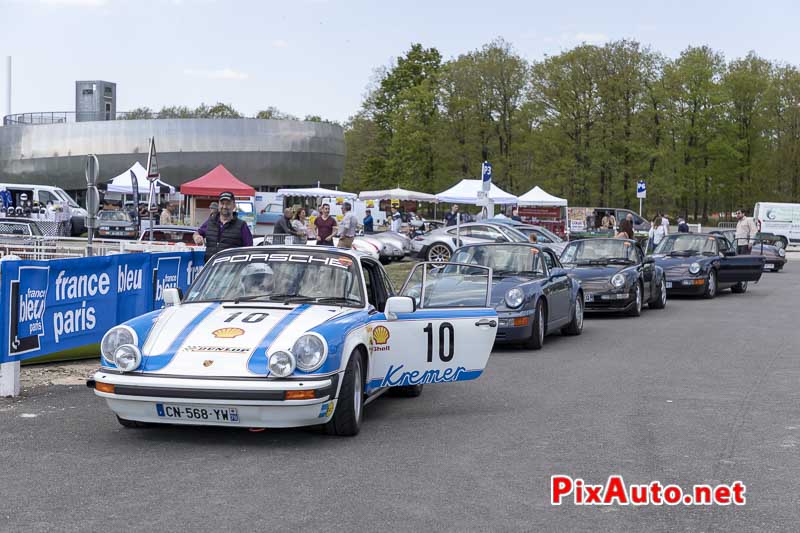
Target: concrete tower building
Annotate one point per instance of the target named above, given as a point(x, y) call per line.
point(95, 100)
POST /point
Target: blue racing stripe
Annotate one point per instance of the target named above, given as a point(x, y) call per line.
point(157, 362)
point(257, 364)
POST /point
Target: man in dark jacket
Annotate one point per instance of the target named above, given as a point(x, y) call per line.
point(223, 230)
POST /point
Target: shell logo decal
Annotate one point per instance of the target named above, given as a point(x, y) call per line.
point(381, 335)
point(227, 333)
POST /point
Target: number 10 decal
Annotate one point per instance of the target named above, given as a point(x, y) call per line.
point(445, 328)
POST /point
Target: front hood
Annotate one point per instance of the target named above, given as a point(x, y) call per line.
point(227, 340)
point(595, 272)
point(500, 286)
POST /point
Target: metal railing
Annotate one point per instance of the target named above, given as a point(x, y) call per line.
point(66, 247)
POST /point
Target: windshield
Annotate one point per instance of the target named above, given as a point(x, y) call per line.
point(687, 244)
point(118, 216)
point(281, 276)
point(596, 251)
point(504, 260)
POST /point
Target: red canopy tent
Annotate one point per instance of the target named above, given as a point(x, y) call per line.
point(217, 181)
point(205, 190)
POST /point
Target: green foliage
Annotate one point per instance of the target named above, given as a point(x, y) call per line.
point(708, 135)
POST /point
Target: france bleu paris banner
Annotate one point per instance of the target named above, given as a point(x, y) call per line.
point(53, 306)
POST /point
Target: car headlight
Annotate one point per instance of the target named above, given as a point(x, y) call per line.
point(514, 298)
point(694, 268)
point(309, 352)
point(114, 338)
point(781, 252)
point(281, 364)
point(618, 280)
point(127, 357)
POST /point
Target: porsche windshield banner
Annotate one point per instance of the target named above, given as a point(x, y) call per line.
point(52, 306)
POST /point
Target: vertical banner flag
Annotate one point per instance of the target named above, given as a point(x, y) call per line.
point(135, 187)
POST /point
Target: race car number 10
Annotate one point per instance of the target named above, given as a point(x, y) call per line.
point(445, 331)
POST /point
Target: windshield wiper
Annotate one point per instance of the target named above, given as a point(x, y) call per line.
point(619, 261)
point(681, 253)
point(286, 298)
point(337, 299)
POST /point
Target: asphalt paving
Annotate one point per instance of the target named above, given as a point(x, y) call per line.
point(705, 391)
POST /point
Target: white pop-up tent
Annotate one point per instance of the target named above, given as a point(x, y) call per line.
point(466, 192)
point(539, 197)
point(397, 194)
point(122, 183)
point(316, 192)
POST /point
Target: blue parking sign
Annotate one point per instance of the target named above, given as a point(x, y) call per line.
point(641, 189)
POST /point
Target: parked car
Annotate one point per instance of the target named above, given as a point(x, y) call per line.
point(438, 245)
point(394, 246)
point(774, 256)
point(286, 336)
point(616, 275)
point(531, 292)
point(170, 234)
point(114, 224)
point(704, 264)
point(544, 236)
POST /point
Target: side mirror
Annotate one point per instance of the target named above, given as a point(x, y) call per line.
point(399, 304)
point(557, 272)
point(172, 296)
point(649, 260)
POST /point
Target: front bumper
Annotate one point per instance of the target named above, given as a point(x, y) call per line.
point(514, 326)
point(257, 402)
point(608, 302)
point(690, 286)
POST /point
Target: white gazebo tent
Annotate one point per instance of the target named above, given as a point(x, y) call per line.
point(466, 192)
point(539, 197)
point(397, 194)
point(122, 184)
point(316, 192)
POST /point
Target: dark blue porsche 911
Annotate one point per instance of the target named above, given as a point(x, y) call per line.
point(531, 291)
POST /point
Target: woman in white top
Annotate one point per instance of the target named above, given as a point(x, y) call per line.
point(657, 231)
point(300, 224)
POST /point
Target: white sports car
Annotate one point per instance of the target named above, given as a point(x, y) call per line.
point(285, 336)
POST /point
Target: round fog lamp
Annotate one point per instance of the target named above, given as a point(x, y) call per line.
point(127, 357)
point(694, 268)
point(281, 364)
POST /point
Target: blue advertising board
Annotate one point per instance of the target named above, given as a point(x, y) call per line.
point(61, 304)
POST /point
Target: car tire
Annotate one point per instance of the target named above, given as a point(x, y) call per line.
point(412, 391)
point(739, 288)
point(636, 310)
point(346, 421)
point(661, 300)
point(711, 285)
point(575, 326)
point(133, 424)
point(781, 243)
point(538, 332)
point(439, 252)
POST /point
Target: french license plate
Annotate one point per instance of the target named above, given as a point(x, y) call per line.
point(669, 284)
point(202, 413)
point(589, 297)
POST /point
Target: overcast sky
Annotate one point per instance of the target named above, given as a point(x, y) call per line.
point(317, 57)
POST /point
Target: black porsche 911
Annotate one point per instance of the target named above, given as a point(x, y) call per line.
point(615, 275)
point(702, 264)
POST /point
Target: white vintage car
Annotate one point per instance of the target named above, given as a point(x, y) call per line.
point(285, 336)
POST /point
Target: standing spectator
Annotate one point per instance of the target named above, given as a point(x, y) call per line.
point(608, 221)
point(283, 228)
point(683, 227)
point(746, 231)
point(397, 220)
point(451, 218)
point(223, 230)
point(515, 215)
point(657, 232)
point(167, 214)
point(325, 225)
point(348, 227)
point(368, 222)
point(300, 224)
point(626, 226)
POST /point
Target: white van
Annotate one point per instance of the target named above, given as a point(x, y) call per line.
point(47, 193)
point(782, 220)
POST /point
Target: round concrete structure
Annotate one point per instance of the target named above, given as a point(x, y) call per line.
point(274, 153)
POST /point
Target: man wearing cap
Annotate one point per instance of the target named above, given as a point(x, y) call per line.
point(223, 230)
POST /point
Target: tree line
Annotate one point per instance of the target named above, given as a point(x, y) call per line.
point(707, 135)
point(218, 110)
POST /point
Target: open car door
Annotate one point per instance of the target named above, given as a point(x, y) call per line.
point(440, 330)
point(735, 268)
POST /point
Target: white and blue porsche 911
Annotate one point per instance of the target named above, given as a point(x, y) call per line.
point(286, 336)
